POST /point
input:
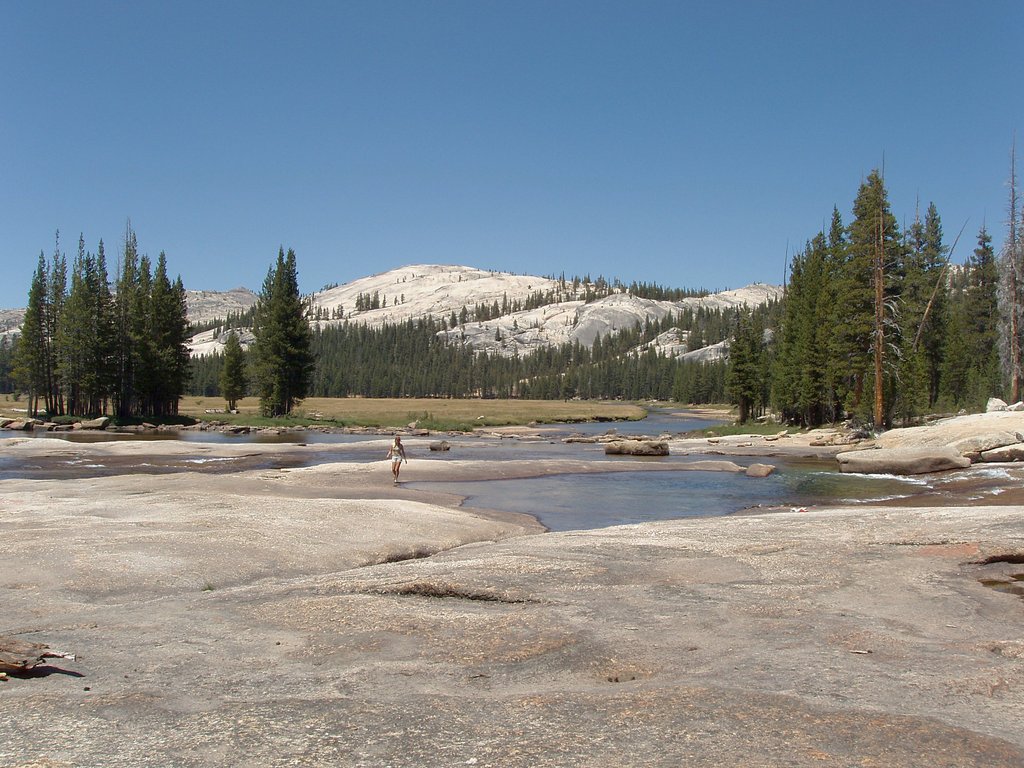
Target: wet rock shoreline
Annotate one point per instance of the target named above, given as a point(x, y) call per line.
point(317, 616)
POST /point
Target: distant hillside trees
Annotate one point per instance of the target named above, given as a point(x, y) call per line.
point(282, 358)
point(84, 349)
point(242, 319)
point(413, 359)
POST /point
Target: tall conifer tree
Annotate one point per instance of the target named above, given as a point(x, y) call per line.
point(75, 338)
point(29, 354)
point(56, 293)
point(282, 355)
point(125, 323)
point(232, 376)
point(103, 319)
point(875, 253)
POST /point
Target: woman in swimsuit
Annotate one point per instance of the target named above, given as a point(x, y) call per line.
point(397, 455)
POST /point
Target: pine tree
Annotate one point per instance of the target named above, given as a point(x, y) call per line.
point(798, 378)
point(167, 323)
point(836, 379)
point(981, 321)
point(143, 343)
point(868, 293)
point(104, 333)
point(29, 354)
point(126, 305)
point(282, 356)
point(56, 293)
point(956, 360)
point(232, 376)
point(924, 307)
point(75, 338)
point(745, 375)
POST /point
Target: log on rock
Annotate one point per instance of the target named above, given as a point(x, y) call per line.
point(21, 656)
point(902, 461)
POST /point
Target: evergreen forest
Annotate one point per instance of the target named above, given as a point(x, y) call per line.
point(877, 324)
point(86, 350)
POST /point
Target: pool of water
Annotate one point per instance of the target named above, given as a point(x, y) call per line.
point(597, 500)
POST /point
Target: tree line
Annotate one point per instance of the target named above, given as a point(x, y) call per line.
point(879, 326)
point(876, 324)
point(84, 349)
point(94, 348)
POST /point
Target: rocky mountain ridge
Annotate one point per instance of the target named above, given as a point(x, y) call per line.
point(443, 291)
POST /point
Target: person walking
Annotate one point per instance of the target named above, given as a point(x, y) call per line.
point(397, 455)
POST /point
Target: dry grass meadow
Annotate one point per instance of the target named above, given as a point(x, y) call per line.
point(391, 412)
point(428, 413)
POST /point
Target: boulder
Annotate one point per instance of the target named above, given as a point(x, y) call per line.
point(902, 461)
point(973, 447)
point(21, 425)
point(712, 465)
point(1016, 407)
point(637, 448)
point(995, 404)
point(759, 470)
point(100, 423)
point(1013, 452)
point(441, 445)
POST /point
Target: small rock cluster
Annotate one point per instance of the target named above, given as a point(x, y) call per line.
point(30, 424)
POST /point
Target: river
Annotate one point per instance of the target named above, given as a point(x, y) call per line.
point(564, 501)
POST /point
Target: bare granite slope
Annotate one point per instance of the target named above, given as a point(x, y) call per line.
point(440, 291)
point(293, 617)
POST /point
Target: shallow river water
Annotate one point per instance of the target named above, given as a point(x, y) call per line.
point(565, 501)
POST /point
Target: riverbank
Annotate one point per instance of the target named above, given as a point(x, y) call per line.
point(319, 615)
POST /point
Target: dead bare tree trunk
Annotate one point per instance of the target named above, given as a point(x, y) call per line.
point(879, 320)
point(1009, 280)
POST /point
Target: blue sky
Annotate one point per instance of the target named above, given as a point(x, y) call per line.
point(683, 143)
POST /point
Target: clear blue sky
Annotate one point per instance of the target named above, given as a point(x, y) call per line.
point(683, 143)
